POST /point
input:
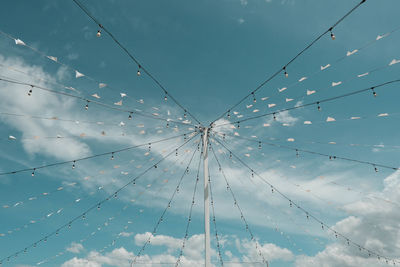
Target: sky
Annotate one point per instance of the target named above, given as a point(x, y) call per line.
point(276, 201)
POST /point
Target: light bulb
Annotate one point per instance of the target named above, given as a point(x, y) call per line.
point(33, 172)
point(30, 92)
point(138, 71)
point(112, 156)
point(98, 33)
point(87, 106)
point(165, 98)
point(130, 116)
point(333, 36)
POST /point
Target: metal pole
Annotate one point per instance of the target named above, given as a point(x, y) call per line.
point(207, 262)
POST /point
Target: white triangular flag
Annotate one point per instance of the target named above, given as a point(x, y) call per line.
point(362, 75)
point(96, 96)
point(266, 125)
point(256, 110)
point(307, 122)
point(249, 106)
point(394, 61)
point(355, 118)
point(271, 105)
point(336, 84)
point(381, 36)
point(122, 123)
point(352, 52)
point(383, 115)
point(12, 137)
point(282, 89)
point(52, 58)
point(122, 94)
point(325, 67)
point(330, 119)
point(310, 92)
point(19, 42)
point(302, 79)
point(102, 85)
point(78, 74)
point(119, 103)
point(290, 139)
point(289, 99)
point(264, 98)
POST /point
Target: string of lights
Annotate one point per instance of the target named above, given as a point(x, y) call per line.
point(315, 103)
point(368, 195)
point(329, 143)
point(262, 207)
point(47, 194)
point(284, 68)
point(330, 67)
point(333, 84)
point(178, 261)
point(331, 157)
point(229, 188)
point(87, 101)
point(324, 226)
point(95, 95)
point(221, 261)
point(57, 61)
point(141, 68)
point(161, 218)
point(118, 234)
point(308, 92)
point(95, 206)
point(112, 153)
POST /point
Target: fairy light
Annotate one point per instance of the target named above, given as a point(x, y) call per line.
point(285, 72)
point(229, 114)
point(138, 71)
point(373, 92)
point(333, 37)
point(165, 97)
point(33, 172)
point(87, 104)
point(30, 91)
point(73, 165)
point(130, 116)
point(98, 34)
point(254, 97)
point(112, 155)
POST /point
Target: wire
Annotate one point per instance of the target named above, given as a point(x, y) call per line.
point(290, 61)
point(83, 215)
point(229, 188)
point(7, 79)
point(164, 212)
point(312, 103)
point(93, 156)
point(319, 154)
point(190, 214)
point(308, 214)
point(215, 222)
point(140, 66)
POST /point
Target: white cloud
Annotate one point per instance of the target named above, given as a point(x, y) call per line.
point(75, 248)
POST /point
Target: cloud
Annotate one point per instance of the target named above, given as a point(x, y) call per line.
point(193, 252)
point(244, 2)
point(241, 20)
point(75, 248)
point(373, 225)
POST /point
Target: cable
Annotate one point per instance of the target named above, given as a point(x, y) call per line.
point(215, 222)
point(308, 214)
point(375, 165)
point(290, 61)
point(229, 188)
point(190, 214)
point(6, 79)
point(133, 262)
point(33, 169)
point(83, 215)
point(140, 66)
point(372, 88)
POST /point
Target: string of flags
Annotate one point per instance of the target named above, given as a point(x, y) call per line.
point(284, 68)
point(329, 156)
point(315, 103)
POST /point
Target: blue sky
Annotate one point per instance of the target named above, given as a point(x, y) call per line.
point(208, 54)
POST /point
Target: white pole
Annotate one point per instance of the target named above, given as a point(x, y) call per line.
point(207, 262)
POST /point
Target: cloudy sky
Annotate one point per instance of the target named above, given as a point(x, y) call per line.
point(291, 208)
